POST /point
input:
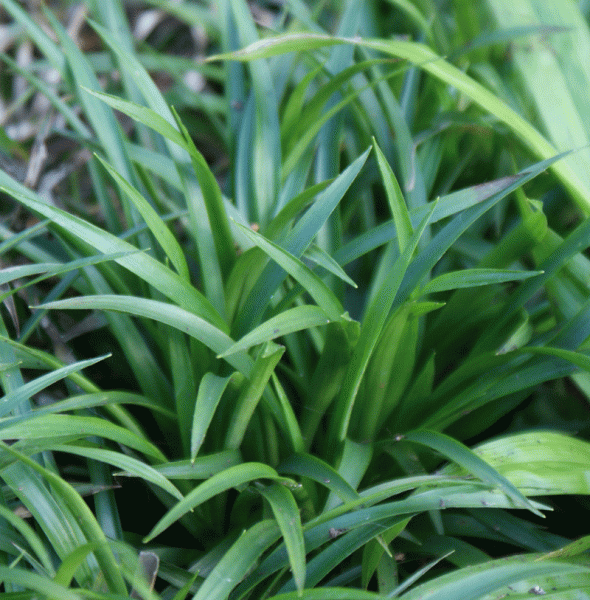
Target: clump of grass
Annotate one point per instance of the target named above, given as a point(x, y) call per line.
point(290, 315)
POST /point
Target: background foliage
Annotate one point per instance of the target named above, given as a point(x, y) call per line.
point(295, 299)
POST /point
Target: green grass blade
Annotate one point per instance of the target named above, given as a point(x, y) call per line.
point(37, 583)
point(313, 467)
point(277, 227)
point(468, 278)
point(49, 426)
point(72, 562)
point(538, 462)
point(373, 551)
point(218, 220)
point(131, 465)
point(143, 265)
point(323, 259)
point(251, 394)
point(428, 60)
point(336, 552)
point(203, 467)
point(262, 138)
point(92, 530)
point(397, 204)
point(144, 115)
point(102, 119)
point(573, 549)
point(288, 321)
point(30, 536)
point(295, 243)
point(329, 593)
point(448, 205)
point(577, 358)
point(316, 288)
point(288, 419)
point(443, 240)
point(372, 325)
point(575, 242)
point(51, 270)
point(218, 483)
point(462, 455)
point(238, 560)
point(161, 232)
point(176, 317)
point(477, 581)
point(213, 239)
point(286, 513)
point(210, 391)
point(41, 39)
point(14, 399)
point(559, 108)
point(70, 116)
point(353, 462)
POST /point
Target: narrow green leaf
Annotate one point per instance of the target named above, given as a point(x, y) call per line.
point(477, 581)
point(295, 243)
point(397, 204)
point(353, 461)
point(40, 38)
point(163, 312)
point(30, 536)
point(251, 394)
point(71, 563)
point(288, 420)
point(102, 119)
point(203, 467)
point(210, 391)
point(218, 220)
point(373, 551)
point(329, 593)
point(288, 321)
point(324, 260)
point(47, 91)
point(573, 549)
point(238, 560)
point(447, 206)
point(206, 233)
point(266, 48)
point(185, 590)
point(474, 277)
point(90, 527)
point(450, 233)
point(306, 465)
point(13, 399)
point(292, 208)
point(538, 462)
point(318, 290)
point(218, 483)
point(469, 460)
point(54, 426)
point(129, 464)
point(52, 269)
point(416, 575)
point(429, 61)
point(161, 232)
point(37, 583)
point(260, 136)
point(577, 358)
point(142, 114)
point(288, 519)
point(371, 329)
point(139, 263)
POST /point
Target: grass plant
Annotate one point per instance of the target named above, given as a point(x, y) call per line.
point(304, 315)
